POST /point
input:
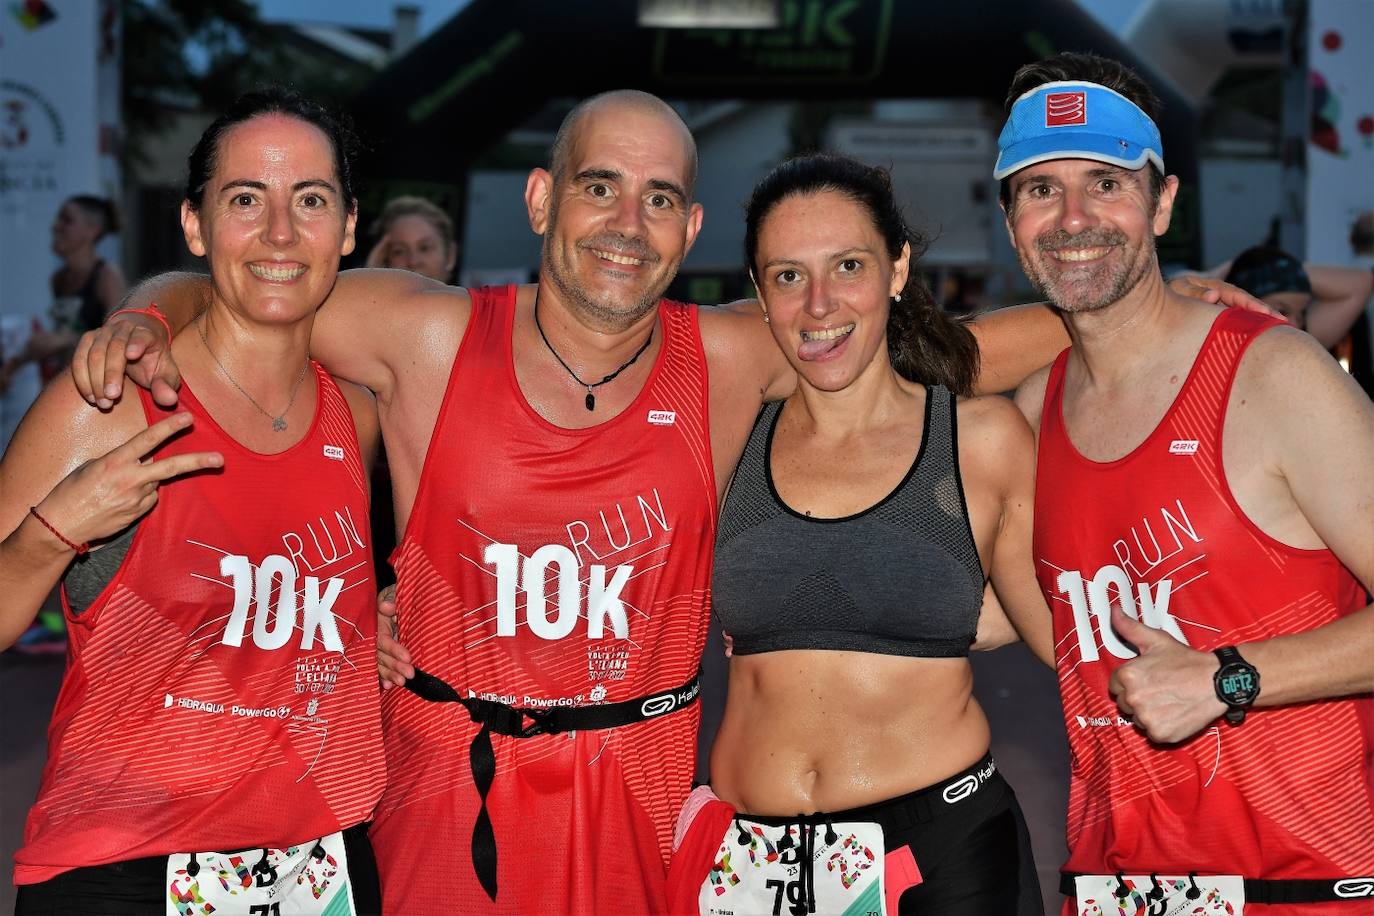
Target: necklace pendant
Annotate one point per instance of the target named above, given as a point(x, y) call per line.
point(278, 425)
point(591, 400)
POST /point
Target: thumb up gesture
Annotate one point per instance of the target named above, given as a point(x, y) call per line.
point(1167, 688)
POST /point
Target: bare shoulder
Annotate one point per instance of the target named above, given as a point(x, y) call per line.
point(991, 424)
point(111, 279)
point(732, 324)
point(1293, 397)
point(1030, 396)
point(741, 351)
point(58, 434)
point(1287, 366)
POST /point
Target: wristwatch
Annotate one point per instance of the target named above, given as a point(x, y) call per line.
point(1237, 683)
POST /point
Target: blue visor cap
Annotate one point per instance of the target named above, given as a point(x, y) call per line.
point(1072, 120)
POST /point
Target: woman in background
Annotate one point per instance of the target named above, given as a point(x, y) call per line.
point(413, 234)
point(85, 289)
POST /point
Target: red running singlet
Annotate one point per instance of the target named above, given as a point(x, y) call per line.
point(1288, 793)
point(221, 692)
point(546, 566)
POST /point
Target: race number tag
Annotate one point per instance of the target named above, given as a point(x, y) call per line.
point(757, 877)
point(1160, 895)
point(306, 880)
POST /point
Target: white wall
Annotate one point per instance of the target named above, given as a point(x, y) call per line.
point(497, 240)
point(52, 111)
point(1240, 199)
point(734, 152)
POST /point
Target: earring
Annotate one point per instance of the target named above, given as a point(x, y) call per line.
point(897, 298)
point(765, 317)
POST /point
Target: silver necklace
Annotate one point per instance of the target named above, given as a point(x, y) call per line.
point(279, 421)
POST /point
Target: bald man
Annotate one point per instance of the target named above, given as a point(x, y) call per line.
point(558, 452)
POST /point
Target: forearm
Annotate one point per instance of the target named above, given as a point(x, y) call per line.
point(32, 561)
point(42, 346)
point(180, 296)
point(1339, 296)
point(1014, 342)
point(1330, 661)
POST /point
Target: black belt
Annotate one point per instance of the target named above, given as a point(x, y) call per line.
point(510, 720)
point(1276, 890)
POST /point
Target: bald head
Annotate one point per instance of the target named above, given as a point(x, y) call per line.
point(608, 105)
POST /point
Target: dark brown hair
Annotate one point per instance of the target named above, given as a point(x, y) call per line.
point(200, 165)
point(100, 209)
point(925, 343)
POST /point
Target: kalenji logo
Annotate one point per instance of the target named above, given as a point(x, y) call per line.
point(1065, 109)
point(1183, 447)
point(965, 786)
point(333, 451)
point(657, 706)
point(958, 791)
point(1354, 887)
point(662, 417)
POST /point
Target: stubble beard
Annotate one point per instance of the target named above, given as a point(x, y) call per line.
point(605, 315)
point(1100, 288)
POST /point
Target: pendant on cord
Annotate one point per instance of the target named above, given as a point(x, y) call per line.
point(591, 399)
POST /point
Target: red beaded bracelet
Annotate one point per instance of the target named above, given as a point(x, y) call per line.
point(151, 311)
point(81, 549)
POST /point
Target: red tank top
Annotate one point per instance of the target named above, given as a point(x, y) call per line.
point(221, 692)
point(546, 566)
point(1288, 793)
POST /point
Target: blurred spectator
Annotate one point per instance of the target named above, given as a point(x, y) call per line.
point(413, 234)
point(1322, 299)
point(1362, 239)
point(85, 288)
point(1360, 358)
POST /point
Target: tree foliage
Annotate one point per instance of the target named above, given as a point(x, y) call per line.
point(187, 54)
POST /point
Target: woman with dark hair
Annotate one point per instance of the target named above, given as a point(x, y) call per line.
point(216, 744)
point(855, 542)
point(1322, 299)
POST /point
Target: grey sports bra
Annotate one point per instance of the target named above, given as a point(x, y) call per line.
point(900, 578)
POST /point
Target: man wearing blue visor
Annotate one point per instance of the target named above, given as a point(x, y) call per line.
point(1204, 489)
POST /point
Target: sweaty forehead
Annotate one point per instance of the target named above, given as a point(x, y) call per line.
point(623, 136)
point(275, 139)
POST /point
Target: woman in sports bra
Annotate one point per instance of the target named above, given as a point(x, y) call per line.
point(866, 516)
point(216, 744)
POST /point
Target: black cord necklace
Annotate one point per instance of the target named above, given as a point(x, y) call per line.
point(591, 395)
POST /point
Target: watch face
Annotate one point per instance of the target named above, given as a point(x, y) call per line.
point(1237, 683)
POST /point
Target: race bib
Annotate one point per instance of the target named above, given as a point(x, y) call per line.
point(755, 873)
point(1161, 895)
point(306, 880)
